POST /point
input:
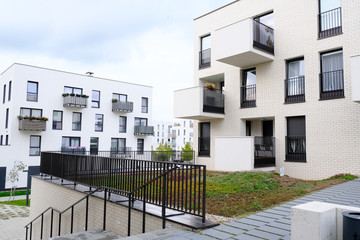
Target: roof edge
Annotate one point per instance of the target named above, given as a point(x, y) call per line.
point(217, 9)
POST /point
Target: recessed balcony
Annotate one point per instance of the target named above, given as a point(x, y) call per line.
point(32, 124)
point(199, 103)
point(245, 43)
point(75, 100)
point(119, 106)
point(144, 130)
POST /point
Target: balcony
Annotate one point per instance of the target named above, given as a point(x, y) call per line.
point(295, 90)
point(32, 125)
point(245, 43)
point(332, 85)
point(248, 96)
point(118, 106)
point(144, 130)
point(330, 23)
point(75, 100)
point(199, 103)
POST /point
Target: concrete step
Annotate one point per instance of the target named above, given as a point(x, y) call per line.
point(89, 235)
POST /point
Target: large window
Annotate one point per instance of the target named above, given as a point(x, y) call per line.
point(57, 120)
point(140, 145)
point(248, 89)
point(332, 75)
point(76, 121)
point(74, 90)
point(144, 105)
point(99, 122)
point(205, 51)
point(295, 81)
point(70, 142)
point(30, 112)
point(204, 139)
point(35, 143)
point(95, 99)
point(330, 21)
point(4, 93)
point(122, 124)
point(263, 35)
point(94, 145)
point(9, 95)
point(120, 97)
point(141, 121)
point(32, 91)
point(118, 145)
point(296, 139)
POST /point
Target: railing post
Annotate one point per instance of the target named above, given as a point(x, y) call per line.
point(204, 194)
point(51, 222)
point(129, 214)
point(87, 213)
point(164, 199)
point(144, 210)
point(104, 219)
point(42, 225)
point(26, 237)
point(59, 230)
point(72, 219)
point(30, 230)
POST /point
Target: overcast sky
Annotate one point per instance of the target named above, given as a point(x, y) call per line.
point(141, 41)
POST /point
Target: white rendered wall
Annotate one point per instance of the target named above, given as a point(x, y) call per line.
point(355, 78)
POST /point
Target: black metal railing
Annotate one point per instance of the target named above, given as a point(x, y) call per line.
point(263, 37)
point(295, 90)
point(74, 150)
point(264, 151)
point(248, 96)
point(295, 148)
point(330, 23)
point(332, 84)
point(204, 146)
point(205, 58)
point(184, 187)
point(213, 100)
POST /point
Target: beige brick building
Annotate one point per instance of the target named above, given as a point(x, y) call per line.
point(286, 87)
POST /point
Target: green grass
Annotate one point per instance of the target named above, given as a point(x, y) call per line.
point(17, 193)
point(16, 202)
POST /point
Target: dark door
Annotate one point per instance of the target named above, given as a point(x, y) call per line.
point(268, 128)
point(204, 139)
point(2, 178)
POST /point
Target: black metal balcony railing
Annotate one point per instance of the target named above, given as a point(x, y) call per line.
point(204, 146)
point(263, 37)
point(295, 148)
point(122, 106)
point(74, 150)
point(32, 125)
point(75, 101)
point(213, 100)
point(330, 23)
point(248, 96)
point(205, 58)
point(295, 90)
point(332, 85)
point(264, 151)
point(143, 130)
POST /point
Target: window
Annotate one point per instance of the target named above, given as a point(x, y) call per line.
point(163, 127)
point(122, 124)
point(158, 127)
point(94, 145)
point(57, 120)
point(32, 91)
point(9, 95)
point(204, 139)
point(184, 140)
point(158, 134)
point(184, 123)
point(178, 132)
point(76, 121)
point(35, 142)
point(7, 140)
point(7, 118)
point(144, 105)
point(120, 97)
point(95, 102)
point(140, 121)
point(296, 139)
point(184, 132)
point(99, 122)
point(73, 90)
point(118, 145)
point(140, 145)
point(329, 18)
point(162, 141)
point(295, 81)
point(162, 134)
point(248, 89)
point(158, 140)
point(205, 52)
point(4, 94)
point(332, 75)
point(1, 140)
point(70, 142)
point(263, 36)
point(30, 112)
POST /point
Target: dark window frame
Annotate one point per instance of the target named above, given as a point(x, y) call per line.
point(62, 115)
point(93, 150)
point(300, 80)
point(1, 140)
point(76, 122)
point(4, 93)
point(119, 95)
point(37, 147)
point(125, 125)
point(31, 93)
point(97, 124)
point(7, 118)
point(145, 108)
point(72, 89)
point(9, 93)
point(31, 110)
point(117, 150)
point(70, 138)
point(245, 88)
point(95, 101)
point(204, 64)
point(141, 120)
point(297, 139)
point(329, 32)
point(204, 140)
point(142, 142)
point(6, 140)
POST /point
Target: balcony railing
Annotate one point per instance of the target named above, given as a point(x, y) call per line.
point(332, 85)
point(213, 100)
point(264, 155)
point(295, 90)
point(122, 106)
point(204, 146)
point(330, 23)
point(75, 100)
point(32, 125)
point(205, 58)
point(143, 130)
point(74, 150)
point(263, 37)
point(248, 96)
point(295, 148)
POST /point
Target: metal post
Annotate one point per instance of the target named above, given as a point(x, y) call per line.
point(104, 220)
point(204, 194)
point(42, 225)
point(129, 214)
point(144, 210)
point(72, 219)
point(59, 224)
point(51, 223)
point(87, 213)
point(164, 199)
point(30, 230)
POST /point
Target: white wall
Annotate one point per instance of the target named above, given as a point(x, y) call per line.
point(355, 78)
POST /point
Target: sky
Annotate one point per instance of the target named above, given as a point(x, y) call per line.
point(139, 41)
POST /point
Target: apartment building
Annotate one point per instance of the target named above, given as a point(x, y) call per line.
point(174, 134)
point(277, 86)
point(51, 110)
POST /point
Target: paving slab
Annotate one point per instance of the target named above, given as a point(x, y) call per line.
point(217, 234)
point(239, 225)
point(230, 229)
point(265, 235)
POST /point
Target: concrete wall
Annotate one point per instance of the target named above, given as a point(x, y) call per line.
point(45, 194)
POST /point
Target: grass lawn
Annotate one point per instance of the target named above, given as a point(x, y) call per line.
point(242, 193)
point(17, 193)
point(16, 202)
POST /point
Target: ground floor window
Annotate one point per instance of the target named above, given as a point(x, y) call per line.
point(296, 139)
point(140, 146)
point(35, 142)
point(118, 145)
point(204, 139)
point(94, 145)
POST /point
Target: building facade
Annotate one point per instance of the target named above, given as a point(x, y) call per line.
point(50, 110)
point(174, 134)
point(277, 86)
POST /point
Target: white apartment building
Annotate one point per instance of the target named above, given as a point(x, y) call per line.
point(83, 113)
point(175, 134)
point(277, 85)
